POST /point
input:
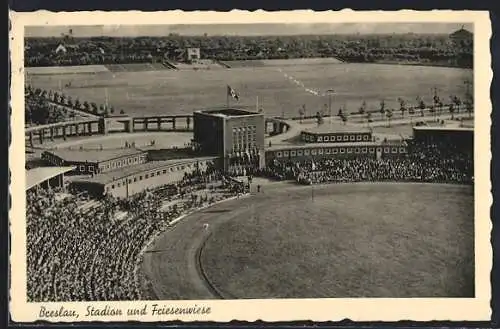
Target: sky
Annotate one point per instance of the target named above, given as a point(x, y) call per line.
point(246, 29)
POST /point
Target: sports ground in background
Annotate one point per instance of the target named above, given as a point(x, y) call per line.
point(282, 89)
point(345, 240)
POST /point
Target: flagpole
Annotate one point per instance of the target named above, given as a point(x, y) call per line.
point(257, 104)
point(227, 97)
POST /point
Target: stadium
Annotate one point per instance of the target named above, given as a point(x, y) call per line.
point(195, 203)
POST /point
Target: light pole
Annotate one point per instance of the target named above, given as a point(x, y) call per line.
point(469, 104)
point(330, 92)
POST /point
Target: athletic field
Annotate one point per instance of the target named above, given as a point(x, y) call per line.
point(281, 89)
point(340, 240)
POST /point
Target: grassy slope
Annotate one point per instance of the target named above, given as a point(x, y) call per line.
point(357, 241)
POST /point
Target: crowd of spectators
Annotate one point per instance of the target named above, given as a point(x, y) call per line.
point(423, 163)
point(89, 253)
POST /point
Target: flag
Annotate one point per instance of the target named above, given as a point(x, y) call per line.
point(232, 93)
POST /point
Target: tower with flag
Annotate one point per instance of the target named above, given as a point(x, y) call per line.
point(235, 135)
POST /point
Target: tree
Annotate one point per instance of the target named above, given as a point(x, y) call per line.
point(369, 117)
point(440, 106)
point(86, 106)
point(340, 113)
point(122, 112)
point(451, 108)
point(344, 118)
point(362, 108)
point(421, 103)
point(389, 116)
point(402, 106)
point(457, 102)
point(436, 98)
point(470, 108)
point(77, 104)
point(95, 109)
point(301, 114)
point(382, 108)
point(319, 118)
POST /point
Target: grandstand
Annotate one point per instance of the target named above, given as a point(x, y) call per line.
point(88, 162)
point(456, 136)
point(134, 179)
point(46, 177)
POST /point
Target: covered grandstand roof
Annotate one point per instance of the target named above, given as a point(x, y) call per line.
point(39, 175)
point(94, 155)
point(109, 176)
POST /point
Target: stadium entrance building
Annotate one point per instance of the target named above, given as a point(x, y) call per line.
point(234, 135)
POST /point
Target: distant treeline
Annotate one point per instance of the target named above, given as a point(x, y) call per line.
point(399, 48)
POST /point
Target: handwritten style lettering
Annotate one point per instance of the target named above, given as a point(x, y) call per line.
point(106, 311)
point(61, 312)
point(165, 310)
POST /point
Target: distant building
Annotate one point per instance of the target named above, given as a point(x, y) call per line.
point(461, 37)
point(193, 54)
point(235, 135)
point(61, 49)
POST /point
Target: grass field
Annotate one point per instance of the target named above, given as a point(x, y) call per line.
point(283, 62)
point(384, 240)
point(354, 240)
point(281, 89)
